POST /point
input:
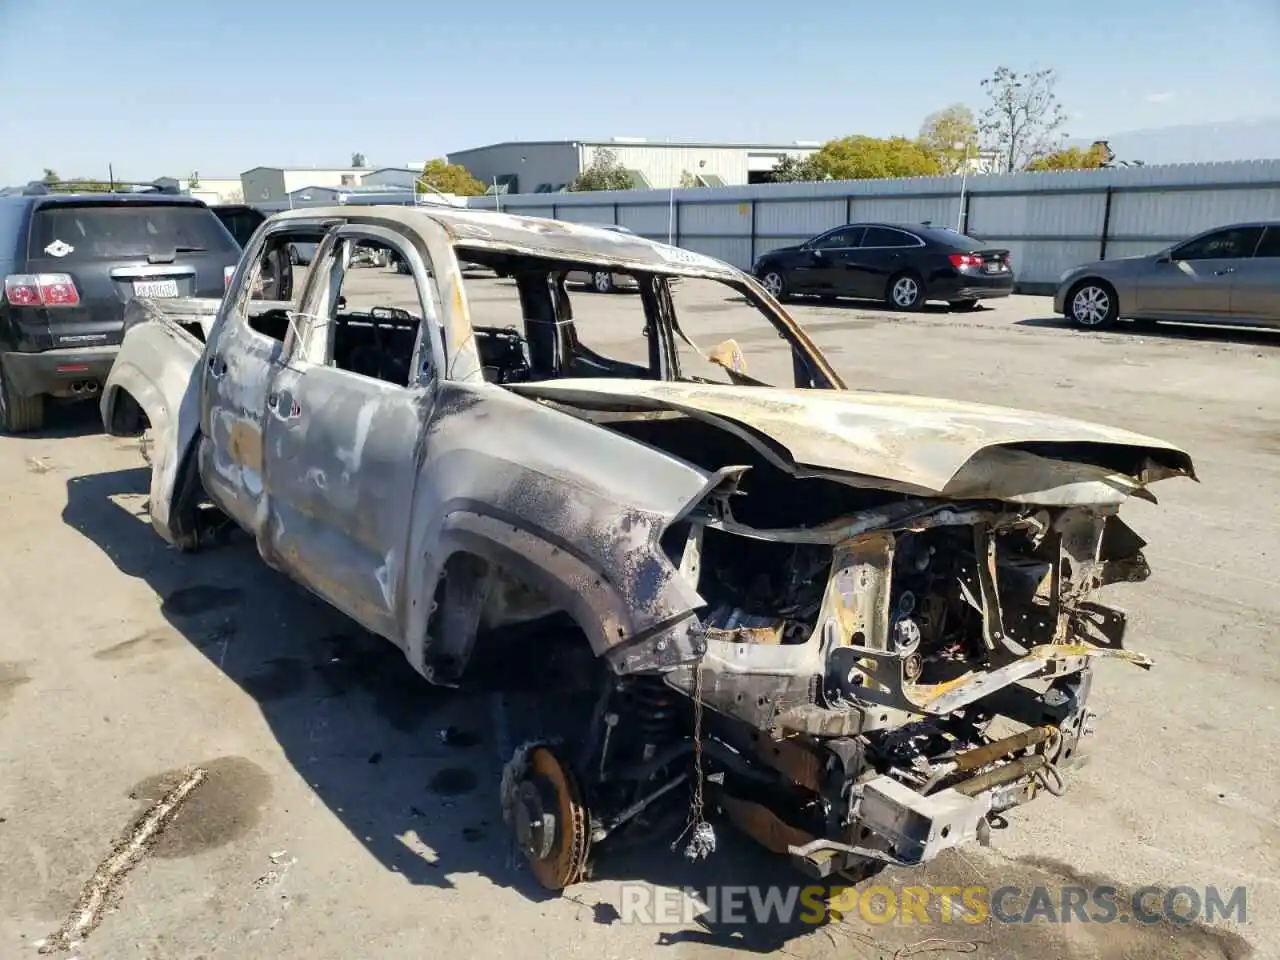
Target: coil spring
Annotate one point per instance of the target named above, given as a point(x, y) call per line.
point(654, 708)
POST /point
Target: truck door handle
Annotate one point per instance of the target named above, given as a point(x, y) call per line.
point(1224, 271)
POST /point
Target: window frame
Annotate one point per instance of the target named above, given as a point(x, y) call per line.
point(1270, 230)
point(816, 242)
point(916, 242)
point(311, 341)
point(1176, 256)
point(249, 269)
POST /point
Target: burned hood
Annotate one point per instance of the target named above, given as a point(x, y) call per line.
point(918, 445)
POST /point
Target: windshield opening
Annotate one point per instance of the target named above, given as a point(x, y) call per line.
point(586, 320)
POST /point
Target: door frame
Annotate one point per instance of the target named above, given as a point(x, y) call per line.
point(308, 353)
point(232, 411)
point(309, 345)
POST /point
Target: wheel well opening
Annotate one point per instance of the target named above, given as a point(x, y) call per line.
point(128, 419)
point(1091, 281)
point(491, 625)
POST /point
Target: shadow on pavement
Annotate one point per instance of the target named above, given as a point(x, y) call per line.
point(412, 770)
point(875, 306)
point(1209, 333)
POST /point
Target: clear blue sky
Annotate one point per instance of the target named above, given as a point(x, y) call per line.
point(164, 88)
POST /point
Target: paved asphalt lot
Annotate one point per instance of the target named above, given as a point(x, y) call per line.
point(335, 823)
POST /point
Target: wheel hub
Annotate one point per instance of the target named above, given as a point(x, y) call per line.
point(535, 825)
point(550, 820)
point(1090, 305)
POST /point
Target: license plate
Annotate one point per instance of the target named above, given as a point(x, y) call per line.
point(155, 288)
point(993, 267)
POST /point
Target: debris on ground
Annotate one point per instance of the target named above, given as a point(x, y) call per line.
point(128, 851)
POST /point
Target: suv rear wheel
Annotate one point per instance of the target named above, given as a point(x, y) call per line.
point(19, 414)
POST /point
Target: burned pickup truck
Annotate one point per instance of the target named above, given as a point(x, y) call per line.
point(860, 626)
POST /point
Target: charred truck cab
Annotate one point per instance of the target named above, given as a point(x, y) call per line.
point(859, 625)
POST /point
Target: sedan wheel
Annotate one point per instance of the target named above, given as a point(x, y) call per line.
point(774, 283)
point(602, 281)
point(905, 292)
point(1092, 306)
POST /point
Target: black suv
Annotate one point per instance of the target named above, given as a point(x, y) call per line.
point(70, 262)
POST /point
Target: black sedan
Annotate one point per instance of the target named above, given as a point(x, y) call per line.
point(900, 265)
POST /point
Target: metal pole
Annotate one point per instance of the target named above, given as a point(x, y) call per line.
point(497, 198)
point(964, 176)
point(111, 175)
point(671, 216)
point(1106, 224)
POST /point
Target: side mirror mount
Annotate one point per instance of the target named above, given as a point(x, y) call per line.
point(341, 304)
point(1164, 258)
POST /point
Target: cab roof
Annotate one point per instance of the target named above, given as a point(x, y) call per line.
point(534, 236)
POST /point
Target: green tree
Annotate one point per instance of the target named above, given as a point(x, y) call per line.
point(870, 158)
point(605, 172)
point(193, 181)
point(1023, 119)
point(1073, 158)
point(948, 135)
point(449, 178)
point(792, 168)
point(49, 178)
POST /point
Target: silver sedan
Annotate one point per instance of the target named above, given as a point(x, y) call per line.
point(1225, 275)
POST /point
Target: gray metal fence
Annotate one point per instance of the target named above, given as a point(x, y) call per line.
point(1049, 221)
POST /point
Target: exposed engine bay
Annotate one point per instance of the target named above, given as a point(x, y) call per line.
point(878, 684)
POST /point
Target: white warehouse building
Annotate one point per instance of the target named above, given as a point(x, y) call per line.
point(273, 184)
point(548, 166)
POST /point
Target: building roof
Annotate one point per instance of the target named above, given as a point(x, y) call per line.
point(535, 236)
point(337, 168)
point(362, 188)
point(640, 142)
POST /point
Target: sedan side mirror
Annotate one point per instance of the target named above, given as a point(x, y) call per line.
point(1164, 258)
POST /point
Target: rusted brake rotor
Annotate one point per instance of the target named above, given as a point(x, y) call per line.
point(551, 824)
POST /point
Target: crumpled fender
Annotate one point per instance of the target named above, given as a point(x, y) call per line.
point(156, 366)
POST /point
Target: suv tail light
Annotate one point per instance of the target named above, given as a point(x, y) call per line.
point(227, 274)
point(41, 290)
point(959, 260)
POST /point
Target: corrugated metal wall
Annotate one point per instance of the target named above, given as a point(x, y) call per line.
point(1050, 221)
point(664, 164)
